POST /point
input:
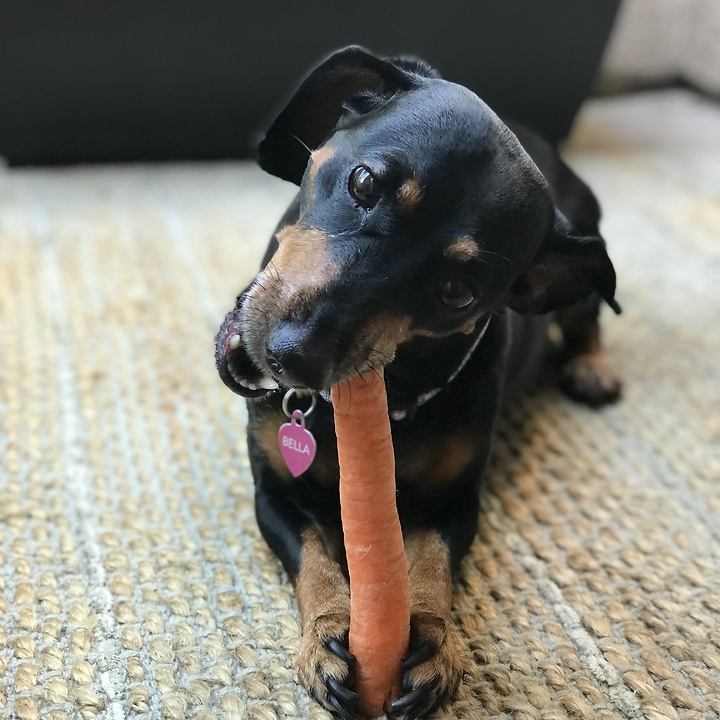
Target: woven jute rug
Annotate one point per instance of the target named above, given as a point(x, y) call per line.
point(133, 579)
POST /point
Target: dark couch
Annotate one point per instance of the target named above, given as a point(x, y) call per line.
point(173, 79)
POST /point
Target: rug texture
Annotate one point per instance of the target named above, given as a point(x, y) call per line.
point(133, 579)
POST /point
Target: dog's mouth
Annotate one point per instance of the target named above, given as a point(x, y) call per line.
point(240, 367)
point(243, 377)
point(234, 365)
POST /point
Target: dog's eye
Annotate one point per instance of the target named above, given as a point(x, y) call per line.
point(456, 294)
point(364, 187)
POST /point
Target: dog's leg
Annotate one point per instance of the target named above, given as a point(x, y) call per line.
point(586, 372)
point(434, 666)
point(325, 665)
point(311, 558)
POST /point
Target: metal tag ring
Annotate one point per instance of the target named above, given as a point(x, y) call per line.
point(290, 394)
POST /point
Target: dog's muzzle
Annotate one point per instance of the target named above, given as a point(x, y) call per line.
point(234, 365)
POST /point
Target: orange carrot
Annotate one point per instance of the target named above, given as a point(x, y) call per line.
point(379, 610)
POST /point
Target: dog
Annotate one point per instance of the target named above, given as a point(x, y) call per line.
point(430, 239)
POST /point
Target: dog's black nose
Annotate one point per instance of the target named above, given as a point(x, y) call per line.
point(295, 358)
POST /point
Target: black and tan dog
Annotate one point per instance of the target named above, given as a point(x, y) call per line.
point(428, 239)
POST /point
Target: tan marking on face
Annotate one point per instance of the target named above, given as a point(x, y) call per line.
point(297, 273)
point(469, 327)
point(317, 158)
point(320, 156)
point(464, 249)
point(377, 342)
point(421, 332)
point(409, 194)
point(301, 254)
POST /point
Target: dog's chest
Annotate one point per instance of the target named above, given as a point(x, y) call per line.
point(425, 458)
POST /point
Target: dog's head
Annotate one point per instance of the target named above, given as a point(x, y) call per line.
point(419, 214)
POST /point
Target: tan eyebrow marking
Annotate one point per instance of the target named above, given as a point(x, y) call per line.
point(317, 158)
point(464, 249)
point(321, 155)
point(409, 194)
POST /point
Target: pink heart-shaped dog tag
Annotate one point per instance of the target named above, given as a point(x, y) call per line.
point(297, 444)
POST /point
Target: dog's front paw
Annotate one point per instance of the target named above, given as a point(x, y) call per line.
point(590, 378)
point(326, 667)
point(433, 668)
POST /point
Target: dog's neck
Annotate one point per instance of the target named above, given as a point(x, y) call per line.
point(425, 366)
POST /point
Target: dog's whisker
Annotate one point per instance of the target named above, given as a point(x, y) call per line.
point(303, 144)
point(491, 252)
point(274, 269)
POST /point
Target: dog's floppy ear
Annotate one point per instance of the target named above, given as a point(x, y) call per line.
point(314, 110)
point(565, 269)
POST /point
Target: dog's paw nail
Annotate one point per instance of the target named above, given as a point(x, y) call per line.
point(423, 653)
point(234, 342)
point(339, 648)
point(433, 668)
point(349, 698)
point(410, 704)
point(339, 709)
